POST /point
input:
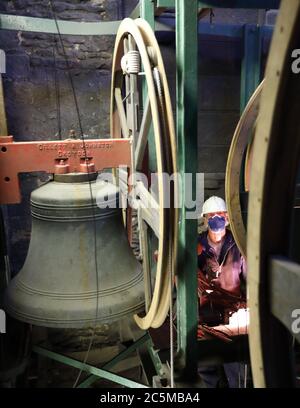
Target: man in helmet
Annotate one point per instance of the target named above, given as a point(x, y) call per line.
point(221, 277)
point(219, 259)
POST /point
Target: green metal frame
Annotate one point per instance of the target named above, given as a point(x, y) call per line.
point(98, 373)
point(186, 115)
point(187, 118)
point(248, 4)
point(186, 111)
point(251, 63)
point(46, 25)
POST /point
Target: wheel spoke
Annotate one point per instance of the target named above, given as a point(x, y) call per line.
point(131, 43)
point(143, 135)
point(121, 112)
point(148, 207)
point(146, 261)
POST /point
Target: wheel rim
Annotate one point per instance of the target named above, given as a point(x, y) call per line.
point(137, 36)
point(275, 163)
point(238, 147)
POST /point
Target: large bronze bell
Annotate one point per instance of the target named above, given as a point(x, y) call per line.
point(58, 285)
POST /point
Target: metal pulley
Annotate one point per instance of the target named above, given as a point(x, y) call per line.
point(131, 62)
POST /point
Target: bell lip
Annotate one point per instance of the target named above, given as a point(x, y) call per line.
point(75, 323)
point(75, 177)
point(68, 313)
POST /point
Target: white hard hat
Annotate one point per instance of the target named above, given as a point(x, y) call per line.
point(213, 204)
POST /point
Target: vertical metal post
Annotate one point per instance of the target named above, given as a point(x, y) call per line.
point(147, 11)
point(251, 63)
point(186, 110)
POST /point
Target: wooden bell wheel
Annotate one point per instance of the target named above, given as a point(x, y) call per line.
point(241, 148)
point(273, 228)
point(140, 101)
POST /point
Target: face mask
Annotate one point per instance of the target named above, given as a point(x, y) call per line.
point(216, 223)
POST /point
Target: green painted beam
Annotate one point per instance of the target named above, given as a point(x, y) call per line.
point(165, 3)
point(251, 63)
point(155, 359)
point(88, 368)
point(107, 366)
point(46, 25)
point(248, 4)
point(187, 113)
point(147, 9)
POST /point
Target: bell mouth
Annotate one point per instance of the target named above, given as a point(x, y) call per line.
point(75, 177)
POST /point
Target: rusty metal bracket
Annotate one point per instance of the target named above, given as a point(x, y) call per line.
point(58, 157)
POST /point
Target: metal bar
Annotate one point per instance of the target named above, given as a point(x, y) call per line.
point(167, 23)
point(254, 4)
point(165, 3)
point(34, 24)
point(46, 25)
point(121, 356)
point(220, 30)
point(248, 4)
point(144, 246)
point(88, 368)
point(56, 157)
point(187, 96)
point(147, 9)
point(251, 63)
point(284, 291)
point(230, 30)
point(155, 359)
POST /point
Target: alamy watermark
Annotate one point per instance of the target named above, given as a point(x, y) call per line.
point(296, 322)
point(2, 322)
point(296, 63)
point(168, 191)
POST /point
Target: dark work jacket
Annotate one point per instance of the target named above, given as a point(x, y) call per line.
point(227, 272)
point(231, 264)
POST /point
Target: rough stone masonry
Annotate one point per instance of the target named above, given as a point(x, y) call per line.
point(38, 94)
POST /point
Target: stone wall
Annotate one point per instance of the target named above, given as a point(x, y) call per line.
point(218, 106)
point(37, 80)
point(38, 92)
